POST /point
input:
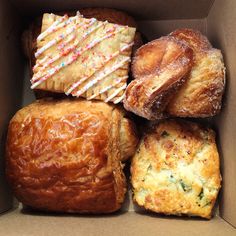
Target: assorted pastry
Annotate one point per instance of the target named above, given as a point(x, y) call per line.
point(176, 169)
point(159, 68)
point(66, 153)
point(177, 75)
point(30, 36)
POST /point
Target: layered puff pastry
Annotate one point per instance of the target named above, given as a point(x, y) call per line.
point(176, 169)
point(83, 57)
point(201, 95)
point(65, 156)
point(159, 67)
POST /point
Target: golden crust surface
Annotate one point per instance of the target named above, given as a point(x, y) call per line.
point(176, 169)
point(201, 95)
point(194, 38)
point(65, 156)
point(159, 68)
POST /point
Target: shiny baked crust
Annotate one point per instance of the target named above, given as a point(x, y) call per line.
point(176, 169)
point(65, 156)
point(159, 68)
point(201, 95)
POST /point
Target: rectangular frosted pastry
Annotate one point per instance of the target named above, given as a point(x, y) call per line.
point(83, 57)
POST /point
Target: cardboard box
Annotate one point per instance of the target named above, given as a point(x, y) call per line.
point(216, 19)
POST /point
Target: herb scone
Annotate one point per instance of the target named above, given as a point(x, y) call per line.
point(176, 169)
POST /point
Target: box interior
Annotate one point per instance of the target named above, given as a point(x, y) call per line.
point(155, 18)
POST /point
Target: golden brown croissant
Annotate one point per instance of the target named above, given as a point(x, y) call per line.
point(116, 17)
point(159, 68)
point(176, 169)
point(201, 95)
point(65, 156)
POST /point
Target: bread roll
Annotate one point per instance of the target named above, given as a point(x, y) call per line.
point(159, 67)
point(65, 156)
point(201, 95)
point(176, 169)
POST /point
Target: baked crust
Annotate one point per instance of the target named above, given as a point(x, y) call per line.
point(65, 156)
point(176, 169)
point(194, 38)
point(159, 68)
point(201, 95)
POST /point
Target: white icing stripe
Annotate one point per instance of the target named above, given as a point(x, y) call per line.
point(119, 99)
point(50, 29)
point(75, 85)
point(100, 77)
point(119, 80)
point(39, 63)
point(69, 49)
point(116, 92)
point(52, 60)
point(78, 53)
point(57, 39)
point(79, 14)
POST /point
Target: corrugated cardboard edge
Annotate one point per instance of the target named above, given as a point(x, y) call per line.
point(222, 32)
point(128, 223)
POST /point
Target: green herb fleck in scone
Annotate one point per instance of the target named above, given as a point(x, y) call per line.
point(176, 170)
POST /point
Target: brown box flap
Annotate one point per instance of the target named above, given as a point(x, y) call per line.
point(222, 32)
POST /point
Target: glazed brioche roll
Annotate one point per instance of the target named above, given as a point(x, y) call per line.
point(65, 156)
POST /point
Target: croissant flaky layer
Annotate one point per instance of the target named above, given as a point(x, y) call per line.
point(178, 75)
point(201, 95)
point(65, 156)
point(159, 68)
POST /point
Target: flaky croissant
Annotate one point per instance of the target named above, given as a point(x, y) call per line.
point(159, 68)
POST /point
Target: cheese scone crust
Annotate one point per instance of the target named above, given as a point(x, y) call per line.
point(159, 67)
point(176, 169)
point(201, 94)
point(65, 156)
